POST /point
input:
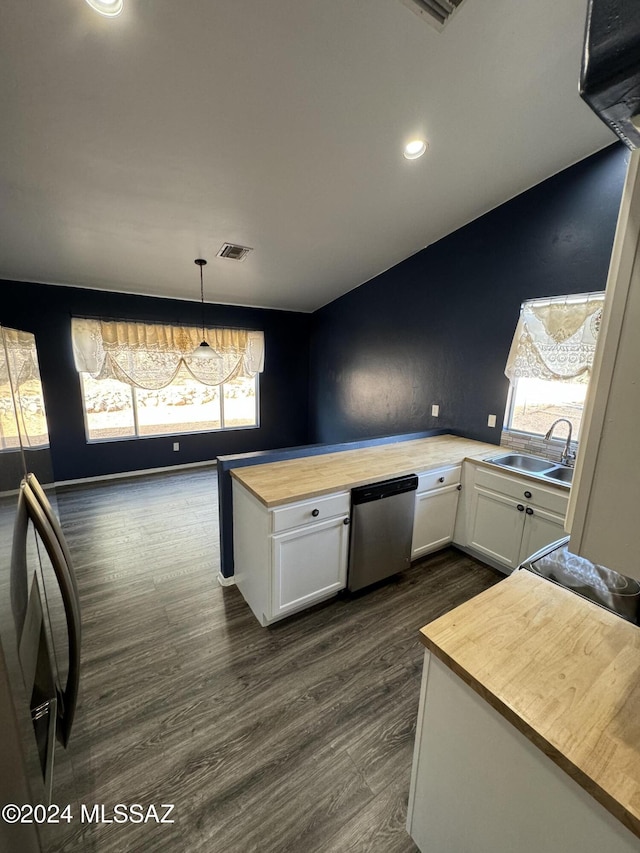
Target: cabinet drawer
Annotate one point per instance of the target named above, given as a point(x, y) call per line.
point(523, 490)
point(308, 512)
point(439, 478)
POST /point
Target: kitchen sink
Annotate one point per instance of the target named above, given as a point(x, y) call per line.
point(522, 462)
point(560, 473)
point(535, 466)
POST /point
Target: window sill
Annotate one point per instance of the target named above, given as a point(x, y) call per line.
point(179, 435)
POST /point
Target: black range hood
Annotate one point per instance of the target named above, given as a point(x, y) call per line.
point(610, 75)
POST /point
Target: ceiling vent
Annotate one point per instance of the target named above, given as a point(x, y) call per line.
point(234, 252)
point(436, 12)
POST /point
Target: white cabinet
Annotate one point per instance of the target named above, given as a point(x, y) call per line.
point(506, 519)
point(309, 564)
point(290, 557)
point(603, 512)
point(497, 527)
point(479, 785)
point(435, 510)
point(541, 527)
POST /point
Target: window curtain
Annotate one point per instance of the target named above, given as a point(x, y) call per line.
point(23, 421)
point(150, 355)
point(18, 358)
point(556, 338)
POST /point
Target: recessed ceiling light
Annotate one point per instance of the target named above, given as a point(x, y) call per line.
point(108, 8)
point(415, 149)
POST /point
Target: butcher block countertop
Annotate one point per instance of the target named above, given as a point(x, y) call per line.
point(563, 671)
point(276, 483)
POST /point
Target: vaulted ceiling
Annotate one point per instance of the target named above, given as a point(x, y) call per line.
point(132, 145)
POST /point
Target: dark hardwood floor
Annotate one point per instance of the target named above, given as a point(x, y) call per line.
point(297, 737)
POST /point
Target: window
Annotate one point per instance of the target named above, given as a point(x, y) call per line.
point(550, 361)
point(535, 403)
point(114, 409)
point(143, 379)
point(23, 421)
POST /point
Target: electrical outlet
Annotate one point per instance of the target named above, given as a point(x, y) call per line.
point(435, 410)
point(176, 445)
point(491, 420)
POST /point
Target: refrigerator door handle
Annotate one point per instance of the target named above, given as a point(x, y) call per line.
point(52, 518)
point(69, 593)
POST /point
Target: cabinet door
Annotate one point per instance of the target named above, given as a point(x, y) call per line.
point(540, 528)
point(309, 564)
point(496, 527)
point(434, 520)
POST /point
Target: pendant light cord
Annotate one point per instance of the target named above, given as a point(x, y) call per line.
point(201, 262)
point(202, 300)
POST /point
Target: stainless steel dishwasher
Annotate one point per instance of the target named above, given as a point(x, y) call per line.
point(381, 530)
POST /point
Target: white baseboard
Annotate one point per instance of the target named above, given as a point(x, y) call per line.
point(483, 558)
point(9, 493)
point(127, 474)
point(225, 581)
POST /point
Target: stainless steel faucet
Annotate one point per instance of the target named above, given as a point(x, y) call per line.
point(568, 456)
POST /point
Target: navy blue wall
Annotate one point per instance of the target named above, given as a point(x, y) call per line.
point(46, 311)
point(437, 327)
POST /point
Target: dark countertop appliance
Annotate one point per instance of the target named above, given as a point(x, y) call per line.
point(610, 76)
point(618, 593)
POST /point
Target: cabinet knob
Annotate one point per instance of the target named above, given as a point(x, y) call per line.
point(520, 508)
point(315, 513)
point(441, 479)
point(527, 495)
point(346, 521)
point(529, 511)
point(459, 487)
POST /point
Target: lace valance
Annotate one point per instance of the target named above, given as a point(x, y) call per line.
point(556, 338)
point(18, 358)
point(150, 355)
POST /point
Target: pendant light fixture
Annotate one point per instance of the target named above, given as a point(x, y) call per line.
point(203, 350)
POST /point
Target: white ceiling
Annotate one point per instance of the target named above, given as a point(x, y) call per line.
point(131, 146)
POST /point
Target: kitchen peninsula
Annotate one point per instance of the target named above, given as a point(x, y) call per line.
point(529, 714)
point(291, 517)
point(276, 483)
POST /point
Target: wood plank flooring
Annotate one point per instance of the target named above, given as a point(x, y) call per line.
point(289, 738)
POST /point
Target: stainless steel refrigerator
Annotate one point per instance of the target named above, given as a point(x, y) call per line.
point(39, 616)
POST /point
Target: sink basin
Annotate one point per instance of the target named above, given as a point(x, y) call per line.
point(522, 462)
point(561, 474)
point(536, 466)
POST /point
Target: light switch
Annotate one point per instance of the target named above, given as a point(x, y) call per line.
point(491, 421)
point(435, 410)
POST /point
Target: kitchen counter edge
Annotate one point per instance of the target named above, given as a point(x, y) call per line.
point(474, 451)
point(462, 657)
